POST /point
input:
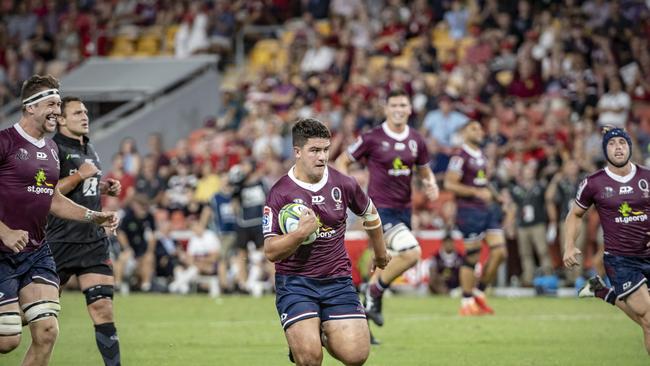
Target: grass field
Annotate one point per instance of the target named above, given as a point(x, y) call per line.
point(196, 330)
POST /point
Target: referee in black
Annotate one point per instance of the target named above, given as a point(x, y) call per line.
point(81, 249)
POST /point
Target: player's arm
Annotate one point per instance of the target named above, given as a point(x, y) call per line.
point(69, 183)
point(372, 225)
point(571, 231)
point(428, 180)
point(279, 247)
point(452, 183)
point(343, 162)
point(15, 240)
point(64, 208)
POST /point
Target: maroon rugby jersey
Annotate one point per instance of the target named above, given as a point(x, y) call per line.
point(391, 159)
point(471, 165)
point(623, 204)
point(29, 171)
point(326, 257)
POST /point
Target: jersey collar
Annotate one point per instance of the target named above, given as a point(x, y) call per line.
point(476, 154)
point(315, 187)
point(394, 135)
point(619, 178)
point(59, 137)
point(40, 143)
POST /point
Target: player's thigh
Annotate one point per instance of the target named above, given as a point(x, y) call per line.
point(348, 339)
point(400, 240)
point(639, 302)
point(40, 305)
point(304, 340)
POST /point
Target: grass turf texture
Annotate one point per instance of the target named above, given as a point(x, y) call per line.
point(196, 330)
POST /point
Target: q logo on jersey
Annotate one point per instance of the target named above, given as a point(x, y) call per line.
point(337, 197)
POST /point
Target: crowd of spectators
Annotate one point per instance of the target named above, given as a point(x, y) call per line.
point(541, 76)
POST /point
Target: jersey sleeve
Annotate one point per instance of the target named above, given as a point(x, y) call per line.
point(456, 164)
point(360, 148)
point(270, 226)
point(358, 200)
point(5, 146)
point(585, 194)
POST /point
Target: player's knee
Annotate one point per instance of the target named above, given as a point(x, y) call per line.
point(499, 253)
point(471, 257)
point(9, 343)
point(97, 293)
point(309, 356)
point(358, 357)
point(101, 311)
point(45, 332)
point(412, 255)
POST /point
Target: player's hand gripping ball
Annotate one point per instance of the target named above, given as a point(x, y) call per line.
point(289, 218)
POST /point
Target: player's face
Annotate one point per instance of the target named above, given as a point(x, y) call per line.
point(617, 150)
point(474, 133)
point(46, 112)
point(313, 157)
point(75, 118)
point(398, 110)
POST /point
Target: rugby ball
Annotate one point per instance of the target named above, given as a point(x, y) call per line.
point(289, 217)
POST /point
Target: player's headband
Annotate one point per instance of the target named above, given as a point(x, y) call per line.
point(42, 95)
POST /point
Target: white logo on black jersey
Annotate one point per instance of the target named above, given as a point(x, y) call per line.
point(90, 187)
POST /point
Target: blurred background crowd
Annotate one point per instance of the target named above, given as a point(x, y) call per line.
point(541, 76)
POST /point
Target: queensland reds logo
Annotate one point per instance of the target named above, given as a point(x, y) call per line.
point(644, 187)
point(337, 197)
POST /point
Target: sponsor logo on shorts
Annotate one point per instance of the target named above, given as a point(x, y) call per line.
point(2, 294)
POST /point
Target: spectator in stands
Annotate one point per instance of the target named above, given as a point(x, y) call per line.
point(318, 57)
point(149, 183)
point(138, 243)
point(441, 127)
point(614, 106)
point(126, 180)
point(130, 156)
point(200, 259)
point(180, 189)
point(166, 251)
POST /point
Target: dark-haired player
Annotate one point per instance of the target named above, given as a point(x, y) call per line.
point(314, 290)
point(29, 172)
point(393, 153)
point(478, 217)
point(80, 248)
